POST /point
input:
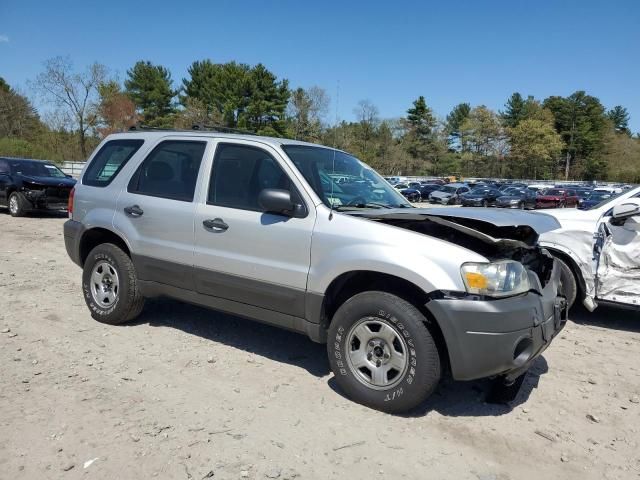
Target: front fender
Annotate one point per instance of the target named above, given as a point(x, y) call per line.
point(425, 273)
point(578, 246)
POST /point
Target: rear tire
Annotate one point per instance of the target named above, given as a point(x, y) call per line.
point(17, 204)
point(110, 286)
point(568, 285)
point(381, 352)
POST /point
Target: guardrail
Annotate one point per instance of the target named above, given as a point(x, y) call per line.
point(72, 168)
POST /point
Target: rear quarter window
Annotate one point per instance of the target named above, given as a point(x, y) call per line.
point(109, 160)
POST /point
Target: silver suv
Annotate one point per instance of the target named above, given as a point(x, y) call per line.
point(262, 228)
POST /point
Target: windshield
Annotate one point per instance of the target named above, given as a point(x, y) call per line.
point(554, 191)
point(35, 169)
point(360, 186)
point(448, 189)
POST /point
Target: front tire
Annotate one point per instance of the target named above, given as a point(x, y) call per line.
point(568, 285)
point(381, 352)
point(17, 205)
point(109, 285)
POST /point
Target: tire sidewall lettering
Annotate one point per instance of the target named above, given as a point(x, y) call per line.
point(339, 342)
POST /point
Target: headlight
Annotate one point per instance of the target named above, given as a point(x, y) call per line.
point(496, 279)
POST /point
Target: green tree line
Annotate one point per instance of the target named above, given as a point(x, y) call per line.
point(573, 137)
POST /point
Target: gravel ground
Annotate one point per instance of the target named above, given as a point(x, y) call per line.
point(190, 394)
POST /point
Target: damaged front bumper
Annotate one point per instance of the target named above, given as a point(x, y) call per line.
point(46, 198)
point(503, 336)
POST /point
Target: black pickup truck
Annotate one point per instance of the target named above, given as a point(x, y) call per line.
point(27, 185)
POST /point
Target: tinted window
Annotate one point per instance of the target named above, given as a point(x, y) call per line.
point(240, 173)
point(108, 162)
point(169, 171)
point(4, 166)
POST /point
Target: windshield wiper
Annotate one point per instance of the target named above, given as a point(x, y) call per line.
point(361, 205)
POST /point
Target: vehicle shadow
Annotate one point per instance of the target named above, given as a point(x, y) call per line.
point(469, 399)
point(450, 399)
point(252, 337)
point(605, 316)
point(38, 213)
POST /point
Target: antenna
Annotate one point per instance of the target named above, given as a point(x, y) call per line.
point(335, 145)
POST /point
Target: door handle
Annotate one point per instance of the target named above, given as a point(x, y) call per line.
point(217, 224)
point(133, 211)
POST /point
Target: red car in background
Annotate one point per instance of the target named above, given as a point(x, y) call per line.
point(557, 198)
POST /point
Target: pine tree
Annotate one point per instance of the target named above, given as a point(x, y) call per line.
point(514, 110)
point(620, 119)
point(455, 119)
point(150, 88)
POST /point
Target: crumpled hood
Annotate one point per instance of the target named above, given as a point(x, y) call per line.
point(491, 225)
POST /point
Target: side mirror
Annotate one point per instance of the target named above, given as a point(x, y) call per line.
point(68, 176)
point(625, 210)
point(274, 200)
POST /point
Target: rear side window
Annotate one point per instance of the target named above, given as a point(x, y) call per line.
point(109, 161)
point(240, 173)
point(170, 170)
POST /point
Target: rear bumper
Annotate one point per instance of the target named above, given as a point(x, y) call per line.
point(499, 337)
point(72, 234)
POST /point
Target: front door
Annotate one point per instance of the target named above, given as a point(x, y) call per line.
point(242, 253)
point(617, 256)
point(155, 212)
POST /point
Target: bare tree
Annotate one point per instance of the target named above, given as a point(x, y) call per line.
point(75, 93)
point(307, 109)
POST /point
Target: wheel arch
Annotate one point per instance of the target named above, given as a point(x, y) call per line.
point(575, 269)
point(351, 283)
point(93, 237)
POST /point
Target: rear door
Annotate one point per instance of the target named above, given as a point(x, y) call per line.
point(155, 211)
point(242, 253)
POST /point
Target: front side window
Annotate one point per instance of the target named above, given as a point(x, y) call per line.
point(240, 173)
point(108, 162)
point(361, 186)
point(170, 171)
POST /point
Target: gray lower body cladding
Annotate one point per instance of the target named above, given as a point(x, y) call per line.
point(499, 337)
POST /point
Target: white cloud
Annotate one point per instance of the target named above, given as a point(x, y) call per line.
point(4, 39)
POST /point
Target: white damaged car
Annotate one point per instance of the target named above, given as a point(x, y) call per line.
point(599, 250)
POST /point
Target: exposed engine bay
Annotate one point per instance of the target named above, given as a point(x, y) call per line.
point(468, 229)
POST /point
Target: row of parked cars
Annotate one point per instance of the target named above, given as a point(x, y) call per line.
point(506, 195)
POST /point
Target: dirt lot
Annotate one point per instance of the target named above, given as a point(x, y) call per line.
point(190, 394)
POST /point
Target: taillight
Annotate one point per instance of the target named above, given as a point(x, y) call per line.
point(70, 202)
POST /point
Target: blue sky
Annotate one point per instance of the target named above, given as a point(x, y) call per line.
point(388, 52)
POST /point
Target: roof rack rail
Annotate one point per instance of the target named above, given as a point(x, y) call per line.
point(196, 127)
point(141, 126)
point(220, 128)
